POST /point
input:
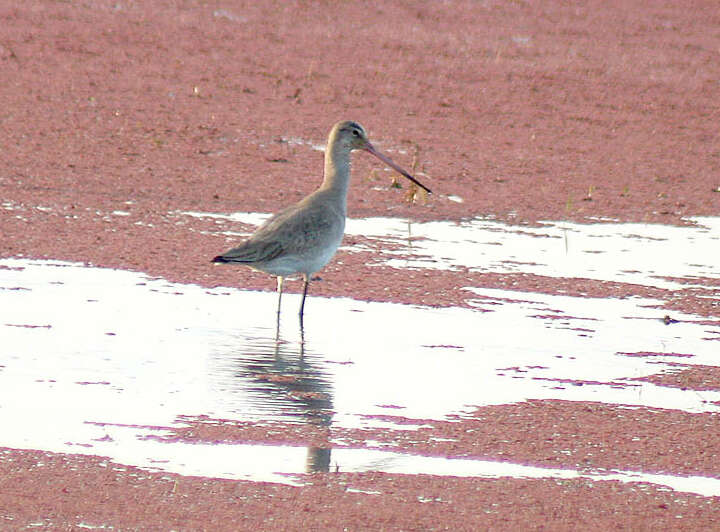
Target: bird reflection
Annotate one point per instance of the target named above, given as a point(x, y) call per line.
point(318, 460)
point(279, 340)
point(277, 380)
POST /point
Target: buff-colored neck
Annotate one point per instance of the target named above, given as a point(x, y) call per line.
point(337, 171)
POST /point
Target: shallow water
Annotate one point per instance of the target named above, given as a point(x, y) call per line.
point(636, 253)
point(102, 361)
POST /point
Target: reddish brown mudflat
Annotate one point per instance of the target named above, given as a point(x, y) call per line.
point(525, 111)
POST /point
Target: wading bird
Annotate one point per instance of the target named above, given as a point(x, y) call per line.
point(302, 238)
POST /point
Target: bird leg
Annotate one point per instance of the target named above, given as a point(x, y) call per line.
point(306, 278)
point(280, 280)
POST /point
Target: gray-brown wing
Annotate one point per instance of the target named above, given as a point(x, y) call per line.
point(297, 230)
point(252, 251)
point(300, 231)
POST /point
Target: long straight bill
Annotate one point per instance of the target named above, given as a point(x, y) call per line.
point(391, 164)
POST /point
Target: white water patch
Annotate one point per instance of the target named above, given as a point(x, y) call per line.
point(634, 253)
point(285, 464)
point(97, 360)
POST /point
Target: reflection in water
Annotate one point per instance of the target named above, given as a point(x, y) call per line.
point(283, 380)
point(318, 460)
point(103, 361)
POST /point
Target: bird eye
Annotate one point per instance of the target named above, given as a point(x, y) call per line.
point(356, 132)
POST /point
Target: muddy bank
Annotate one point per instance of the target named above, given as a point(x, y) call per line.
point(117, 114)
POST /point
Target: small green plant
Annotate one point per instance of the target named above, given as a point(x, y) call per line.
point(569, 205)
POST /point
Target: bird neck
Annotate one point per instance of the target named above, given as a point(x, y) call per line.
point(337, 172)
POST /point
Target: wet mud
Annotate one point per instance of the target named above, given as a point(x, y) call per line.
point(553, 306)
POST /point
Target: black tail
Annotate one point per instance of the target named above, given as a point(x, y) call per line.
point(220, 258)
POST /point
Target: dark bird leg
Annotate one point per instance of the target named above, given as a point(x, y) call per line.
point(306, 278)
